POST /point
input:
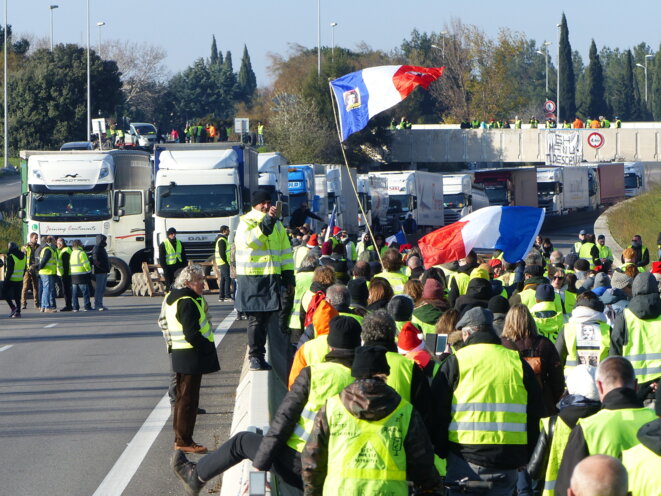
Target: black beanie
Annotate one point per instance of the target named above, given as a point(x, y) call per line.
point(534, 270)
point(358, 290)
point(582, 264)
point(344, 333)
point(260, 196)
point(369, 361)
point(498, 304)
point(400, 308)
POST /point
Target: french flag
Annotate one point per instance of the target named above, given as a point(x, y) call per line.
point(510, 229)
point(363, 94)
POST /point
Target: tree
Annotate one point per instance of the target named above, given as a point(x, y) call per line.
point(567, 110)
point(213, 60)
point(625, 105)
point(596, 101)
point(247, 82)
point(19, 47)
point(228, 61)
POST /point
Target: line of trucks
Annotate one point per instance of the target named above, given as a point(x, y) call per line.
point(133, 197)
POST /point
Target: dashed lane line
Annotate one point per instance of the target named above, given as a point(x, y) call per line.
point(127, 464)
point(5, 348)
point(49, 326)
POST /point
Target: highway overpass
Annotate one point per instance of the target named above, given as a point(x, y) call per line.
point(443, 144)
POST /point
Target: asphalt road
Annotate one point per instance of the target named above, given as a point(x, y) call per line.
point(10, 187)
point(76, 389)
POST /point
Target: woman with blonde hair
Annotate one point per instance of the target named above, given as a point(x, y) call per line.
point(413, 288)
point(380, 293)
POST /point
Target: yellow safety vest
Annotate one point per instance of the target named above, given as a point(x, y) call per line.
point(570, 302)
point(528, 298)
point(303, 283)
point(426, 328)
point(19, 268)
point(642, 465)
point(561, 433)
point(584, 253)
point(610, 432)
point(172, 255)
point(643, 348)
point(489, 415)
point(401, 374)
point(258, 254)
point(316, 349)
point(79, 262)
point(366, 457)
point(177, 330)
point(60, 266)
point(50, 269)
point(462, 282)
point(396, 280)
point(548, 326)
point(605, 252)
point(326, 380)
point(219, 259)
point(586, 339)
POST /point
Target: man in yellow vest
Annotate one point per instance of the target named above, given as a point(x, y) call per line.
point(222, 256)
point(15, 266)
point(368, 440)
point(643, 460)
point(392, 264)
point(64, 272)
point(589, 251)
point(488, 405)
point(642, 259)
point(599, 475)
point(193, 351)
point(613, 429)
point(576, 247)
point(546, 312)
point(280, 448)
point(605, 253)
point(264, 269)
point(31, 279)
point(171, 257)
point(48, 274)
point(81, 273)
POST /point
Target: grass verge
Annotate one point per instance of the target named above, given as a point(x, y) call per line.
point(10, 230)
point(638, 216)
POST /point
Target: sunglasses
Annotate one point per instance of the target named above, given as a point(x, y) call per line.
point(558, 277)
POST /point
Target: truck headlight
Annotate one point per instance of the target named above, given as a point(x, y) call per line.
point(104, 173)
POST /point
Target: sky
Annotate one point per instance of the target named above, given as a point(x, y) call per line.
point(184, 28)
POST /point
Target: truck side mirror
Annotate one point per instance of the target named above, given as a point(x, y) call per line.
point(22, 201)
point(121, 212)
point(121, 199)
point(469, 200)
point(413, 203)
point(21, 214)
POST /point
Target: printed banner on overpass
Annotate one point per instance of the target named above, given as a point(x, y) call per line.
point(564, 148)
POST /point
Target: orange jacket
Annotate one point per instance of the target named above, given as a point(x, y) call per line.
point(595, 124)
point(577, 124)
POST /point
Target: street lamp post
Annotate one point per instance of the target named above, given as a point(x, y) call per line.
point(333, 25)
point(647, 57)
point(443, 35)
point(557, 103)
point(52, 8)
point(99, 24)
point(6, 122)
point(546, 44)
point(318, 37)
point(89, 78)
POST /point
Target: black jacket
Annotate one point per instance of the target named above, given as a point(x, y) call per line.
point(650, 436)
point(299, 216)
point(202, 357)
point(453, 292)
point(45, 255)
point(500, 456)
point(162, 257)
point(577, 448)
point(100, 262)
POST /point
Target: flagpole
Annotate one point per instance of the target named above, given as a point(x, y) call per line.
point(346, 164)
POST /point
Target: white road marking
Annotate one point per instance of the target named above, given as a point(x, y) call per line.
point(49, 325)
point(127, 464)
point(5, 348)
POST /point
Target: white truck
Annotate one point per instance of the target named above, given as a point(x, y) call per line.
point(416, 192)
point(341, 193)
point(373, 196)
point(80, 194)
point(561, 190)
point(274, 177)
point(461, 196)
point(634, 178)
point(198, 188)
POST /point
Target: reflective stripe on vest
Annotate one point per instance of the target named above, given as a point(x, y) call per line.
point(610, 432)
point(493, 415)
point(172, 255)
point(401, 374)
point(643, 348)
point(177, 330)
point(326, 380)
point(219, 259)
point(19, 268)
point(642, 465)
point(258, 254)
point(550, 326)
point(396, 281)
point(60, 266)
point(561, 433)
point(586, 341)
point(50, 269)
point(366, 457)
point(79, 262)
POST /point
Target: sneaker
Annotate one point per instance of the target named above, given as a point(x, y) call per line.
point(17, 315)
point(87, 309)
point(102, 309)
point(66, 309)
point(192, 448)
point(201, 411)
point(258, 363)
point(42, 309)
point(186, 471)
point(13, 312)
point(75, 310)
point(50, 310)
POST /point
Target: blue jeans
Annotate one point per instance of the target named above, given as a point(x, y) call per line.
point(47, 291)
point(84, 290)
point(101, 280)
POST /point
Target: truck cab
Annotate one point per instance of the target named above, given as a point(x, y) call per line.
point(549, 189)
point(634, 178)
point(461, 196)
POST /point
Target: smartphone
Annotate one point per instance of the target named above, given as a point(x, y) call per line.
point(441, 343)
point(278, 208)
point(257, 481)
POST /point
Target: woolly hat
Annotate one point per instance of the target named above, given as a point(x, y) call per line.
point(358, 290)
point(344, 333)
point(408, 339)
point(495, 262)
point(545, 292)
point(581, 380)
point(260, 196)
point(312, 242)
point(644, 284)
point(474, 317)
point(172, 230)
point(478, 273)
point(368, 361)
point(499, 304)
point(595, 304)
point(601, 280)
point(400, 308)
point(336, 230)
point(620, 280)
point(570, 259)
point(534, 270)
point(433, 290)
point(582, 232)
point(582, 264)
point(327, 248)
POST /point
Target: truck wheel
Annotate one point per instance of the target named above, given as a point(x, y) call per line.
point(119, 278)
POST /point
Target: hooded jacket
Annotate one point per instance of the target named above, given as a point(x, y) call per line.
point(615, 300)
point(580, 315)
point(9, 262)
point(478, 294)
point(100, 262)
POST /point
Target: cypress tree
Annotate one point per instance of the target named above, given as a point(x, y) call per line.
point(213, 60)
point(567, 80)
point(625, 90)
point(228, 61)
point(596, 92)
point(247, 80)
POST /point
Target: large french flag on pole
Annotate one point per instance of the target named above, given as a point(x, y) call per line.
point(510, 229)
point(363, 94)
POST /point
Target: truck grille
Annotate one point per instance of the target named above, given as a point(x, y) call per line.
point(450, 216)
point(199, 251)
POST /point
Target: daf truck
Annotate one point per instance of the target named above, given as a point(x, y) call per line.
point(79, 194)
point(198, 188)
point(516, 186)
point(461, 196)
point(563, 189)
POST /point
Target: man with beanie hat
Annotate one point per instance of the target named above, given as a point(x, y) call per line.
point(411, 346)
point(533, 276)
point(400, 308)
point(280, 448)
point(171, 256)
point(546, 313)
point(480, 439)
point(643, 461)
point(365, 430)
point(637, 332)
point(264, 270)
point(359, 294)
point(499, 306)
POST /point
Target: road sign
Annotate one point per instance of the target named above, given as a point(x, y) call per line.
point(596, 140)
point(241, 125)
point(549, 106)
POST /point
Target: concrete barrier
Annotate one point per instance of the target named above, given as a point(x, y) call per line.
point(601, 227)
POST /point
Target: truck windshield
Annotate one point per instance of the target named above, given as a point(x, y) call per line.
point(546, 188)
point(62, 207)
point(210, 200)
point(630, 180)
point(331, 201)
point(398, 204)
point(144, 130)
point(296, 200)
point(456, 200)
point(497, 194)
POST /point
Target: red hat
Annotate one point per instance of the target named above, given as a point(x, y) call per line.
point(337, 230)
point(433, 290)
point(408, 339)
point(656, 267)
point(495, 262)
point(405, 247)
point(313, 241)
point(327, 248)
